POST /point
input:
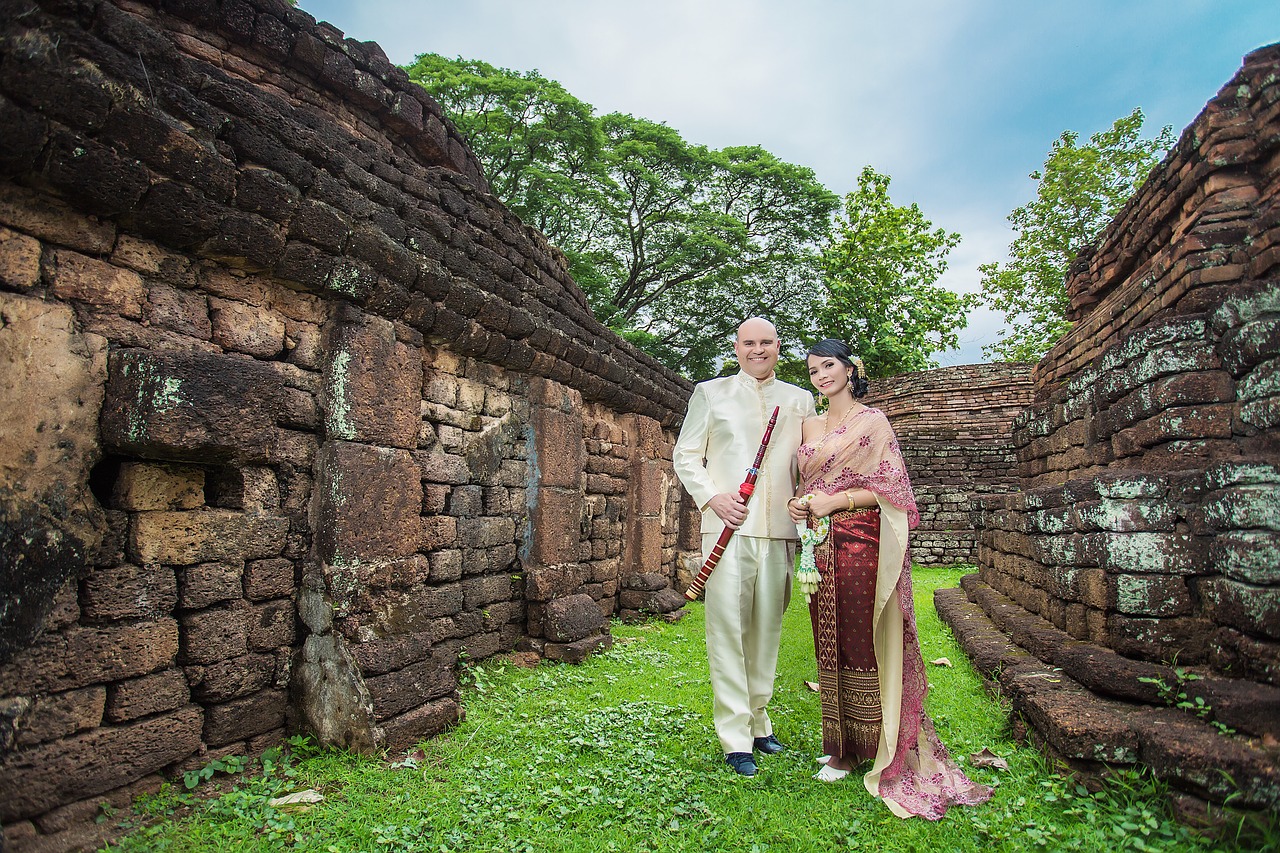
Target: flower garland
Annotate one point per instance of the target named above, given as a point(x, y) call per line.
point(807, 572)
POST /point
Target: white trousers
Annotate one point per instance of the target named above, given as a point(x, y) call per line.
point(745, 598)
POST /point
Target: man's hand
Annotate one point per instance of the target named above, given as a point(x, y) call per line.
point(730, 507)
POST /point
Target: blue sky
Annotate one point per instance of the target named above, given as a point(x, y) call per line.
point(957, 100)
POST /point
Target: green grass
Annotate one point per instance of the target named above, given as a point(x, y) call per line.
point(618, 753)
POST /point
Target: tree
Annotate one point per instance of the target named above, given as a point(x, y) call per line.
point(880, 265)
point(541, 147)
point(674, 244)
point(707, 239)
point(1079, 191)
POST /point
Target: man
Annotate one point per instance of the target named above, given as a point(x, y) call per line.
point(749, 590)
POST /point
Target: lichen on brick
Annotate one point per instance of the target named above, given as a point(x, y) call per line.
point(1240, 308)
point(338, 417)
point(1051, 522)
point(1240, 473)
point(1150, 596)
point(1142, 344)
point(1114, 754)
point(344, 584)
point(1126, 515)
point(156, 394)
point(1248, 555)
point(1261, 414)
point(1244, 507)
point(346, 279)
point(1262, 381)
point(1164, 553)
point(1131, 486)
point(1250, 607)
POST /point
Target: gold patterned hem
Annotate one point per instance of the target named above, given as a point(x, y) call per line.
point(850, 711)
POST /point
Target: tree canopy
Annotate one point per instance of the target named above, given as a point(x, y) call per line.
point(1079, 190)
point(541, 146)
point(675, 244)
point(880, 266)
point(706, 239)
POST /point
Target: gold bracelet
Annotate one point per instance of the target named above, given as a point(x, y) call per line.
point(849, 497)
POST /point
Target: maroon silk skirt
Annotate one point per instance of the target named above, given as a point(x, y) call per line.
point(841, 613)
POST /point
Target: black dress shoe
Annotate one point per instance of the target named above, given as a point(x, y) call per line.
point(742, 763)
point(768, 745)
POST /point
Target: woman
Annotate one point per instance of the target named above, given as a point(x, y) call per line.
point(870, 670)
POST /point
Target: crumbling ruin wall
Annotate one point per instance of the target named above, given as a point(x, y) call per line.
point(1146, 533)
point(297, 414)
point(954, 425)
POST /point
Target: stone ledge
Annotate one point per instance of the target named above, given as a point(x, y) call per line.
point(1249, 706)
point(1091, 732)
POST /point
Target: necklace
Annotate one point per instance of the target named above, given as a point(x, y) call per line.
point(830, 429)
point(848, 411)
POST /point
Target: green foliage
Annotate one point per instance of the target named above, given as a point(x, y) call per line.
point(880, 266)
point(618, 754)
point(541, 146)
point(226, 764)
point(1175, 696)
point(1123, 816)
point(674, 244)
point(246, 807)
point(302, 746)
point(704, 240)
point(1080, 189)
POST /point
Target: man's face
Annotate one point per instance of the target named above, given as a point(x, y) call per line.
point(757, 348)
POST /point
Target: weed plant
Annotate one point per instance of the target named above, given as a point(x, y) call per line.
point(618, 754)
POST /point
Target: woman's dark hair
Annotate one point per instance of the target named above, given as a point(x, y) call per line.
point(840, 350)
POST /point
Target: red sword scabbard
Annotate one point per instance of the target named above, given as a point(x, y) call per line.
point(744, 491)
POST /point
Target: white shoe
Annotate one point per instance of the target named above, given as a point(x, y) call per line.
point(823, 759)
point(830, 774)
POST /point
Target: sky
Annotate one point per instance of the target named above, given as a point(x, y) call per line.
point(957, 100)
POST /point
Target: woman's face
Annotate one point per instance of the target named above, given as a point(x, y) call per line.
point(828, 374)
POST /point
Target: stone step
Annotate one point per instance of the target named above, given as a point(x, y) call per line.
point(1094, 714)
point(1239, 703)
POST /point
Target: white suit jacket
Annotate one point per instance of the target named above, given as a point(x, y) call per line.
point(719, 441)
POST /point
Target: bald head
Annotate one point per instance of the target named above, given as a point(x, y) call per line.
point(757, 348)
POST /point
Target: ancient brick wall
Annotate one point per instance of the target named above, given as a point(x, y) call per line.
point(954, 426)
point(1148, 459)
point(1147, 528)
point(297, 414)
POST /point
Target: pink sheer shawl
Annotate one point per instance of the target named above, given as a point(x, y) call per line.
point(861, 453)
point(913, 772)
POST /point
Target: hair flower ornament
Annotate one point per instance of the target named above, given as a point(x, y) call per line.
point(858, 368)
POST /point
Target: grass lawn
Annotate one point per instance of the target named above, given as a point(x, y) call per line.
point(618, 753)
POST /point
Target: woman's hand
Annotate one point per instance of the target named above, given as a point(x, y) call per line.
point(820, 505)
point(823, 505)
point(797, 508)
